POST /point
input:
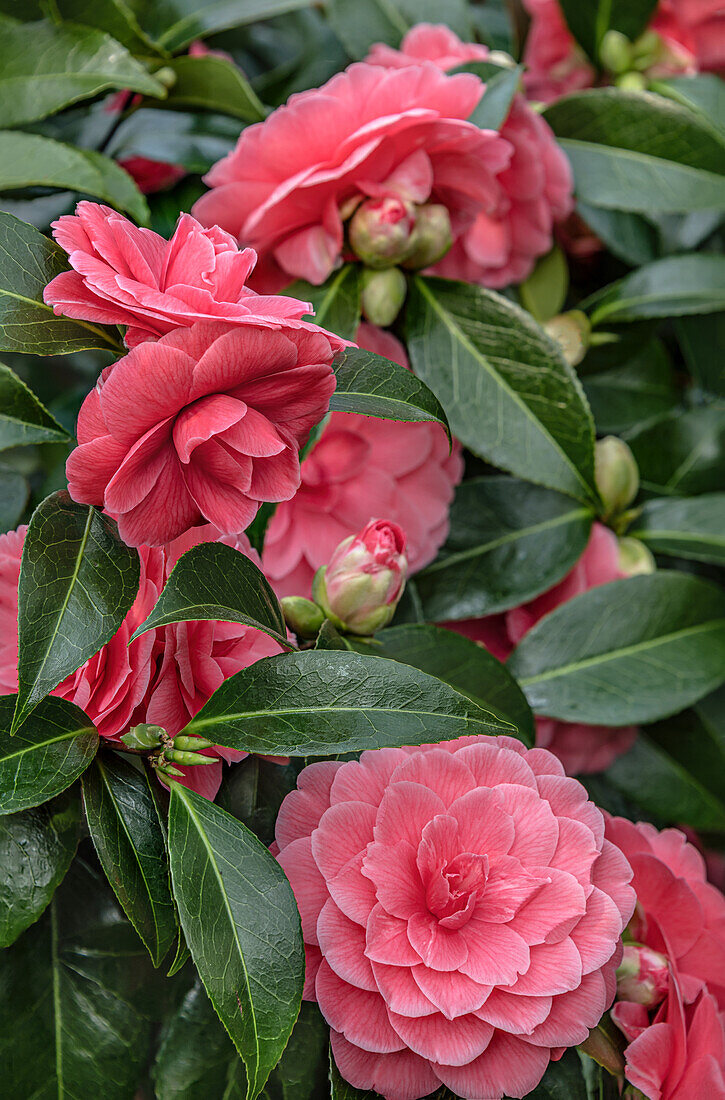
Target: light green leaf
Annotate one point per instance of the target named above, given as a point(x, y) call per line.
point(175, 23)
point(213, 84)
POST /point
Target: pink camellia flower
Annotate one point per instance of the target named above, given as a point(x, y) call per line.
point(535, 188)
point(151, 176)
point(127, 276)
point(643, 976)
point(362, 467)
point(360, 586)
point(201, 425)
point(580, 748)
point(461, 911)
point(292, 180)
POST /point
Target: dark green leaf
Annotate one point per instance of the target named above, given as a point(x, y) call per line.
point(28, 261)
point(68, 1029)
point(55, 745)
point(360, 23)
point(508, 541)
point(702, 340)
point(77, 582)
point(336, 303)
point(36, 849)
point(631, 237)
point(322, 702)
point(176, 23)
point(215, 581)
point(682, 454)
point(642, 390)
point(301, 1073)
point(685, 528)
point(372, 385)
point(672, 287)
point(29, 160)
point(507, 392)
point(626, 652)
point(254, 792)
point(125, 826)
point(563, 1080)
point(639, 152)
point(22, 417)
point(117, 17)
point(45, 67)
point(704, 93)
point(329, 638)
point(14, 493)
point(241, 923)
point(214, 84)
point(463, 664)
point(494, 105)
point(196, 1060)
point(589, 22)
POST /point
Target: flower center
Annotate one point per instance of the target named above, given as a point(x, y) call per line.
point(454, 889)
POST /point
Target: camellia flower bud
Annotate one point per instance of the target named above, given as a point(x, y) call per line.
point(360, 587)
point(302, 616)
point(572, 331)
point(383, 295)
point(635, 557)
point(380, 231)
point(642, 976)
point(431, 237)
point(143, 736)
point(616, 474)
point(615, 52)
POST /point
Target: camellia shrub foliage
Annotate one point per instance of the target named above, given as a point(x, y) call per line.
point(362, 603)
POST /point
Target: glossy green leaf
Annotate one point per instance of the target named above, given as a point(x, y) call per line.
point(508, 394)
point(77, 582)
point(630, 651)
point(336, 303)
point(704, 93)
point(639, 152)
point(630, 237)
point(29, 160)
point(117, 17)
point(372, 385)
point(68, 1027)
point(329, 638)
point(508, 541)
point(22, 417)
point(28, 261)
point(45, 67)
point(495, 103)
point(682, 454)
point(196, 1059)
point(55, 745)
point(213, 84)
point(691, 527)
point(361, 23)
point(126, 829)
point(589, 22)
point(215, 581)
point(36, 849)
point(301, 1074)
point(321, 702)
point(176, 23)
point(14, 493)
point(702, 340)
point(634, 394)
point(672, 287)
point(241, 923)
point(463, 664)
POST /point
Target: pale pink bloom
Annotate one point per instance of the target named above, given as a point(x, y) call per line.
point(679, 913)
point(201, 425)
point(361, 584)
point(11, 549)
point(127, 276)
point(581, 748)
point(536, 187)
point(361, 468)
point(293, 179)
point(461, 912)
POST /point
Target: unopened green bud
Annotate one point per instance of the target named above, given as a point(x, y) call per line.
point(616, 474)
point(192, 744)
point(166, 76)
point(168, 770)
point(635, 558)
point(431, 238)
point(615, 52)
point(143, 736)
point(302, 616)
point(189, 758)
point(380, 231)
point(383, 295)
point(571, 331)
point(631, 82)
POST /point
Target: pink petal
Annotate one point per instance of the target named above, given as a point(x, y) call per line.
point(307, 884)
point(359, 1014)
point(302, 809)
point(399, 1076)
point(456, 1042)
point(453, 993)
point(342, 943)
point(508, 1066)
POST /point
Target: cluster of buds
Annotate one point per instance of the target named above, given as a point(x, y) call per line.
point(164, 752)
point(388, 233)
point(359, 589)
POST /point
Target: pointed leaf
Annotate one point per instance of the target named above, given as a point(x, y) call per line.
point(495, 103)
point(508, 541)
point(215, 581)
point(241, 923)
point(213, 84)
point(674, 287)
point(372, 385)
point(55, 745)
point(77, 582)
point(14, 493)
point(691, 528)
point(507, 392)
point(322, 702)
point(22, 417)
point(625, 652)
point(629, 396)
point(336, 303)
point(126, 829)
point(176, 23)
point(682, 454)
point(196, 1058)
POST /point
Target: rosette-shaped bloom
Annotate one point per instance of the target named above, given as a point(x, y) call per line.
point(461, 910)
point(201, 425)
point(127, 276)
point(363, 468)
point(535, 188)
point(581, 748)
point(292, 180)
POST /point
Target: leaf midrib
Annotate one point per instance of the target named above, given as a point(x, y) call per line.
point(645, 158)
point(202, 723)
point(68, 735)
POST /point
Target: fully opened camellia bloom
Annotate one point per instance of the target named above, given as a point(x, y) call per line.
point(294, 180)
point(535, 188)
point(581, 748)
point(201, 425)
point(127, 276)
point(359, 468)
point(461, 911)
